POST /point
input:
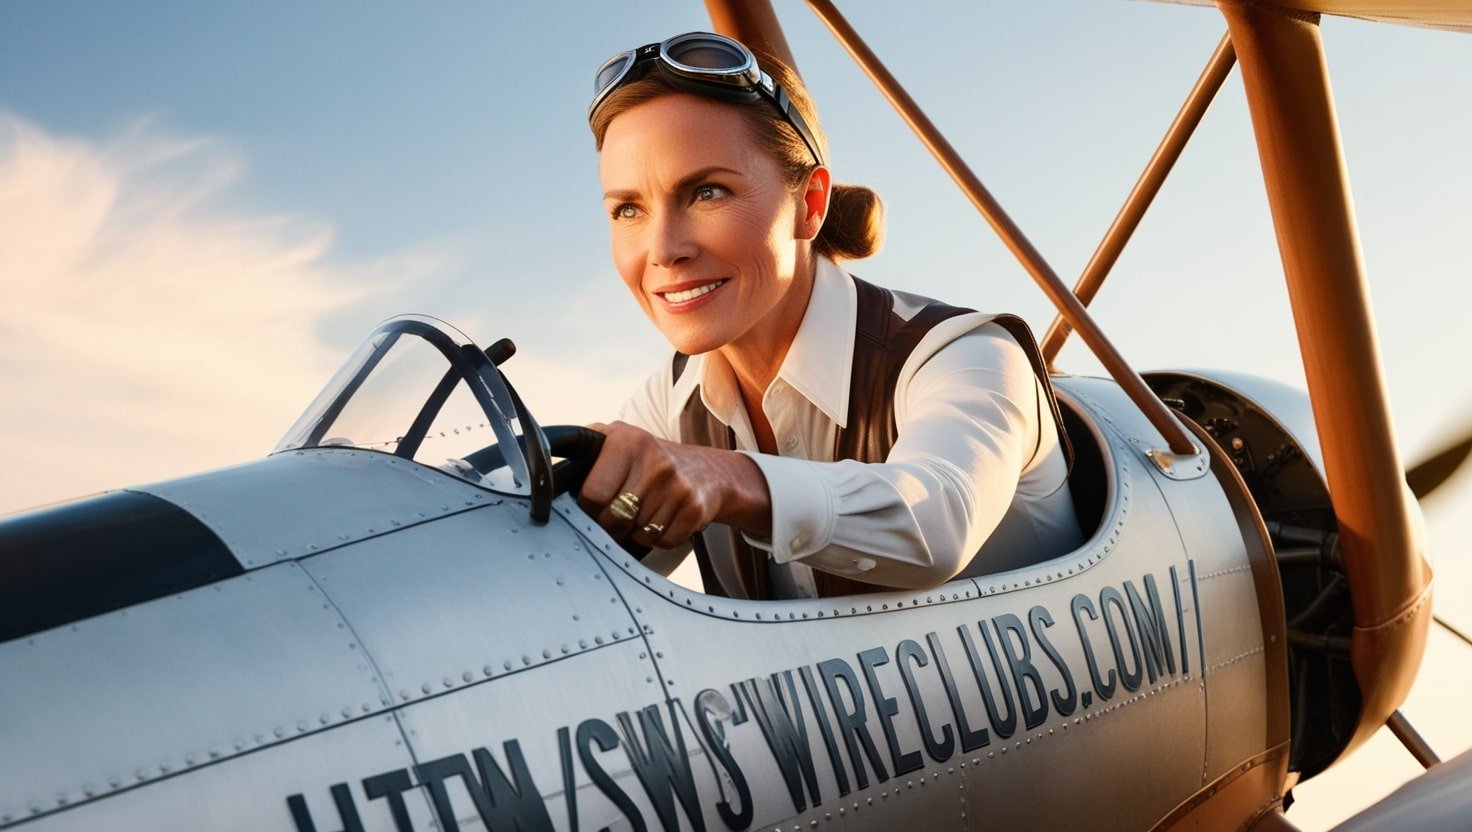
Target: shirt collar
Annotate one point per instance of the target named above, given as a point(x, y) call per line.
point(819, 363)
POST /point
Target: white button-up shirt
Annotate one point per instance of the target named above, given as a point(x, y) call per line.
point(977, 459)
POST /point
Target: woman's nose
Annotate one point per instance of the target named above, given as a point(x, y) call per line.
point(672, 243)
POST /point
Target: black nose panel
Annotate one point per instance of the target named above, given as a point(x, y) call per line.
point(76, 560)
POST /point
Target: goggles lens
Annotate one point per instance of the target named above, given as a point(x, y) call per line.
point(700, 51)
point(612, 70)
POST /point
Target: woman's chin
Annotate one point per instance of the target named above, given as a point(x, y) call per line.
point(694, 346)
point(691, 340)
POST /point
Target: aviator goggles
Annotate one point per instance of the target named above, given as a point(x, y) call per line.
point(705, 64)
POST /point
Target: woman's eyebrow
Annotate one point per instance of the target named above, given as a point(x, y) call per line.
point(684, 182)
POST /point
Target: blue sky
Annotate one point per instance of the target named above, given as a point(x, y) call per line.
point(204, 206)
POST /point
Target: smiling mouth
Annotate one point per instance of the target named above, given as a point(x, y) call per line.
point(691, 294)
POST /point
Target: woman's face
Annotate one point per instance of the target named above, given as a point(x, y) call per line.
point(706, 231)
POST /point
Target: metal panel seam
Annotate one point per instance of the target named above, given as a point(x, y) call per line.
point(385, 693)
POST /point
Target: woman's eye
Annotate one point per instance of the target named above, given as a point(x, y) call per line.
point(624, 211)
point(705, 193)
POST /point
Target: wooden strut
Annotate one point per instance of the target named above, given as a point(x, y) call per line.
point(1285, 78)
point(753, 22)
point(1412, 740)
point(1064, 300)
point(1151, 179)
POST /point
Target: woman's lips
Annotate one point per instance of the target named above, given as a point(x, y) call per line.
point(683, 298)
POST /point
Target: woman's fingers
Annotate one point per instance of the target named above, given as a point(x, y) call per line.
point(679, 529)
point(614, 492)
point(621, 516)
point(678, 511)
point(605, 479)
point(666, 526)
point(637, 489)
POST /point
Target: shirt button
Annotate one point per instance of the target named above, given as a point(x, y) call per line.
point(790, 442)
point(778, 388)
point(795, 543)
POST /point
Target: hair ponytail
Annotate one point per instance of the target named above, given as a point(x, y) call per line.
point(854, 227)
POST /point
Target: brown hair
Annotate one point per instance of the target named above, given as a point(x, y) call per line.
point(854, 227)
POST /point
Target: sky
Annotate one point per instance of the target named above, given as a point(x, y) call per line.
point(203, 207)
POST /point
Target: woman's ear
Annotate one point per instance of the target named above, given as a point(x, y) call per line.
point(815, 194)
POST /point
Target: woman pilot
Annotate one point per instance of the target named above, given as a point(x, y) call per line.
point(820, 435)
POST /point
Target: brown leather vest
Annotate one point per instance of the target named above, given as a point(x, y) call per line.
point(884, 342)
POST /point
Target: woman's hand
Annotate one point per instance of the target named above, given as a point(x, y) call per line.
point(680, 489)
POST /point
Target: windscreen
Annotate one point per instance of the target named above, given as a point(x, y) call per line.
point(419, 389)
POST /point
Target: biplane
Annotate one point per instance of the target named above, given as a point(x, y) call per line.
point(390, 623)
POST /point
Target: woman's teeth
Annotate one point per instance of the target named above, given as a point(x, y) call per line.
point(692, 294)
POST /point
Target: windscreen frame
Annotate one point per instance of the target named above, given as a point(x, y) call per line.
point(467, 363)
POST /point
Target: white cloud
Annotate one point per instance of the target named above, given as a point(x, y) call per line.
point(145, 330)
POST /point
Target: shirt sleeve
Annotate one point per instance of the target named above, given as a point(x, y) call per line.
point(967, 419)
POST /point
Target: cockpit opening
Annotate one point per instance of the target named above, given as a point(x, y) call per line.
point(1089, 480)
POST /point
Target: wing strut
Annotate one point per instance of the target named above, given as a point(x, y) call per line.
point(753, 22)
point(1412, 740)
point(1285, 77)
point(1138, 202)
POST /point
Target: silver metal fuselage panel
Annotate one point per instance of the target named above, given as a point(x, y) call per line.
point(114, 703)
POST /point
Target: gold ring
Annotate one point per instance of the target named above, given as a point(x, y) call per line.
point(653, 529)
point(625, 506)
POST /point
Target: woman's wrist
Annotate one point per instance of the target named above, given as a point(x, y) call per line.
point(745, 501)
